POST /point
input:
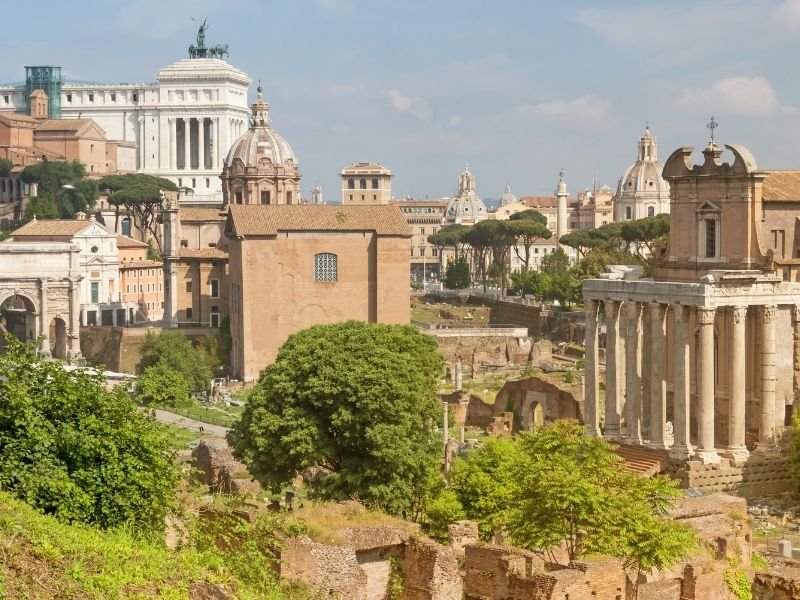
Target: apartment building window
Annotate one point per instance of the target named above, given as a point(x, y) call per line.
point(422, 251)
point(422, 231)
point(434, 252)
point(325, 267)
point(214, 288)
point(214, 318)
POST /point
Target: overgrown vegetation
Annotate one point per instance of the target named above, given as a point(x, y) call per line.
point(557, 486)
point(171, 351)
point(62, 189)
point(355, 399)
point(72, 449)
point(44, 559)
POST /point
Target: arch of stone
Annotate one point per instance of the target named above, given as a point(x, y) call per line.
point(704, 354)
point(43, 279)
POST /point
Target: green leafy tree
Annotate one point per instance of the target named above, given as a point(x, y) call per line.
point(645, 234)
point(356, 399)
point(42, 207)
point(51, 177)
point(449, 236)
point(175, 351)
point(142, 196)
point(555, 263)
point(72, 449)
point(525, 281)
point(161, 385)
point(582, 240)
point(527, 227)
point(5, 167)
point(457, 276)
point(572, 489)
point(482, 482)
point(529, 215)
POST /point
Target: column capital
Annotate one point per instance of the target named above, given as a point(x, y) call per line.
point(657, 309)
point(705, 315)
point(768, 313)
point(796, 314)
point(739, 313)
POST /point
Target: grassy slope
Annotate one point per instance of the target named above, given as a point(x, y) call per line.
point(41, 558)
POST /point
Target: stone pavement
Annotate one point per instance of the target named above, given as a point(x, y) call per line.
point(187, 423)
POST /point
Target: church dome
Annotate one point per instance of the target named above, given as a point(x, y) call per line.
point(508, 197)
point(466, 207)
point(261, 146)
point(642, 190)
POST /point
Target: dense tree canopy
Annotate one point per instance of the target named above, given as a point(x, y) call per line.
point(356, 399)
point(70, 448)
point(174, 351)
point(62, 190)
point(141, 195)
point(457, 276)
point(5, 167)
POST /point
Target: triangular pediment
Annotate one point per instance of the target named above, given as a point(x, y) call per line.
point(708, 206)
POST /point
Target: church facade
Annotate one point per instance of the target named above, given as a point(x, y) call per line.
point(291, 267)
point(703, 360)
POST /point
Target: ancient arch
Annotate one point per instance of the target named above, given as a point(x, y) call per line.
point(58, 338)
point(18, 316)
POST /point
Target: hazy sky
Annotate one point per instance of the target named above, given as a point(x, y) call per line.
point(518, 89)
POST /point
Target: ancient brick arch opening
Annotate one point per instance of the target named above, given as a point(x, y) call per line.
point(18, 316)
point(58, 338)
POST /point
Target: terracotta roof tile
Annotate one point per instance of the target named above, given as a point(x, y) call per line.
point(539, 201)
point(51, 227)
point(265, 220)
point(141, 264)
point(126, 242)
point(202, 253)
point(64, 124)
point(190, 213)
point(781, 186)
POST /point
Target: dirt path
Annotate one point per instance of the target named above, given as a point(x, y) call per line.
point(187, 423)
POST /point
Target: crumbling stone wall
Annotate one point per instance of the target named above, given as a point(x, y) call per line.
point(327, 568)
point(488, 568)
point(759, 475)
point(479, 413)
point(430, 571)
point(493, 350)
point(223, 474)
point(521, 396)
point(777, 586)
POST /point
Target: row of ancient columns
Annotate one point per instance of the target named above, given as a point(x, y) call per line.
point(193, 152)
point(632, 380)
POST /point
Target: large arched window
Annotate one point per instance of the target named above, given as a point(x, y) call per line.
point(325, 267)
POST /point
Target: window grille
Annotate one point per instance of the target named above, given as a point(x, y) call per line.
point(325, 268)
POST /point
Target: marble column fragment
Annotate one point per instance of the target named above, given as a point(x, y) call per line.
point(682, 448)
point(736, 411)
point(633, 374)
point(592, 387)
point(706, 450)
point(658, 383)
point(613, 370)
point(766, 435)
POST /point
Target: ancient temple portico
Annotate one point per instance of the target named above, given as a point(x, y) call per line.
point(664, 344)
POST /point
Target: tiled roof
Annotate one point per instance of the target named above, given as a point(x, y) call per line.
point(141, 264)
point(781, 186)
point(539, 201)
point(64, 124)
point(126, 242)
point(190, 213)
point(258, 219)
point(14, 118)
point(202, 253)
point(51, 227)
point(420, 203)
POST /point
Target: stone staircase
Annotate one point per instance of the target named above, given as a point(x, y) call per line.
point(642, 460)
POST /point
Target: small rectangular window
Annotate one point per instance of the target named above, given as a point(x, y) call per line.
point(215, 320)
point(215, 288)
point(188, 314)
point(288, 197)
point(325, 267)
point(91, 97)
point(136, 97)
point(69, 98)
point(113, 97)
point(265, 197)
point(188, 287)
point(711, 238)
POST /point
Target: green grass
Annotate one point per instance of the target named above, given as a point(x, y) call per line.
point(180, 437)
point(224, 416)
point(44, 559)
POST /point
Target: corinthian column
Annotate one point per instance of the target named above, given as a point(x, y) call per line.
point(705, 376)
point(796, 361)
point(658, 384)
point(592, 389)
point(201, 143)
point(681, 448)
point(613, 370)
point(187, 152)
point(766, 434)
point(633, 375)
point(736, 409)
point(44, 317)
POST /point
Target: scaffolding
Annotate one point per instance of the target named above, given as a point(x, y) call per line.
point(47, 79)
